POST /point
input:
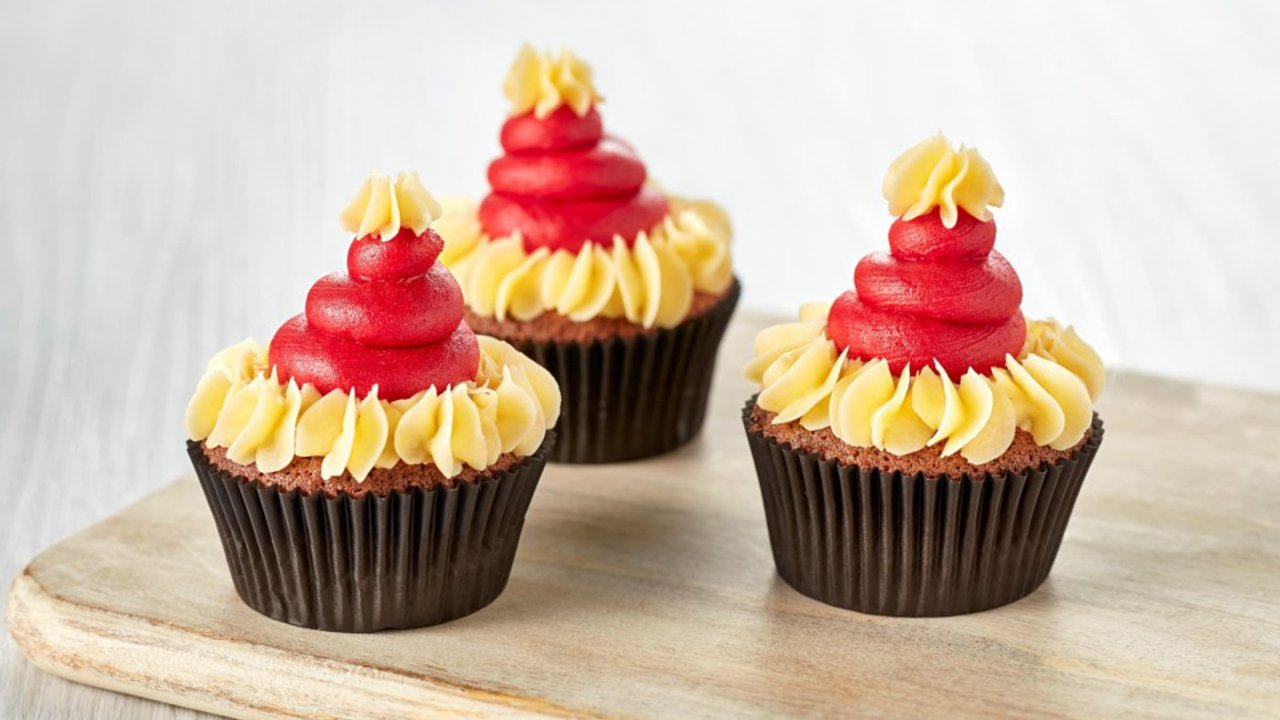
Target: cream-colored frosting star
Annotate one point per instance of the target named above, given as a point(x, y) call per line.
point(382, 206)
point(542, 82)
point(932, 174)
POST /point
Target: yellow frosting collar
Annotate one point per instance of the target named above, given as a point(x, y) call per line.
point(1048, 392)
point(650, 283)
point(542, 82)
point(382, 207)
point(931, 174)
point(239, 404)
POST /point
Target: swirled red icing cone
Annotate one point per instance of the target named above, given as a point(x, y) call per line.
point(563, 182)
point(942, 293)
point(394, 320)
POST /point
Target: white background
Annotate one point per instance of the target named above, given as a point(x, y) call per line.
point(170, 176)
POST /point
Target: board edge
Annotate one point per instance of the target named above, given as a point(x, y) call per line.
point(76, 642)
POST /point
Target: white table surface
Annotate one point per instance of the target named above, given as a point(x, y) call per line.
point(170, 175)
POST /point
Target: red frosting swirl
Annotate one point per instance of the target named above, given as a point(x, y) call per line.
point(940, 294)
point(563, 182)
point(393, 320)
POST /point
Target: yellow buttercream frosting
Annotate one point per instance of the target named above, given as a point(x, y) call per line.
point(1048, 391)
point(382, 206)
point(239, 404)
point(542, 82)
point(932, 174)
point(650, 282)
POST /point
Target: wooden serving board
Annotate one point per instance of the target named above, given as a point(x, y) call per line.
point(647, 589)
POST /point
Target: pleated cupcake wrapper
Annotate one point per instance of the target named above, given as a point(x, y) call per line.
point(632, 398)
point(913, 545)
point(407, 559)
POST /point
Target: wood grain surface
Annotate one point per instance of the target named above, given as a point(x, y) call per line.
point(170, 175)
point(647, 589)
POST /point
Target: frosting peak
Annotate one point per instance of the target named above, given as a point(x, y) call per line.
point(382, 207)
point(542, 82)
point(930, 174)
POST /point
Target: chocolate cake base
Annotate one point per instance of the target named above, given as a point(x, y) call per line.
point(627, 393)
point(405, 558)
point(303, 474)
point(1023, 454)
point(891, 537)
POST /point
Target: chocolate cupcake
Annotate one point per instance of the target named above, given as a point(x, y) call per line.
point(372, 467)
point(620, 290)
point(919, 444)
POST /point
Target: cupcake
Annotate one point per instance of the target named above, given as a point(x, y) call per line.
point(371, 467)
point(919, 444)
point(620, 290)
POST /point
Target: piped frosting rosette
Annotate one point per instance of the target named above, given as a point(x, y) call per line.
point(381, 368)
point(571, 224)
point(930, 347)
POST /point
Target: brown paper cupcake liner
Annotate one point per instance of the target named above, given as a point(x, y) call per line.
point(359, 564)
point(888, 543)
point(635, 397)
